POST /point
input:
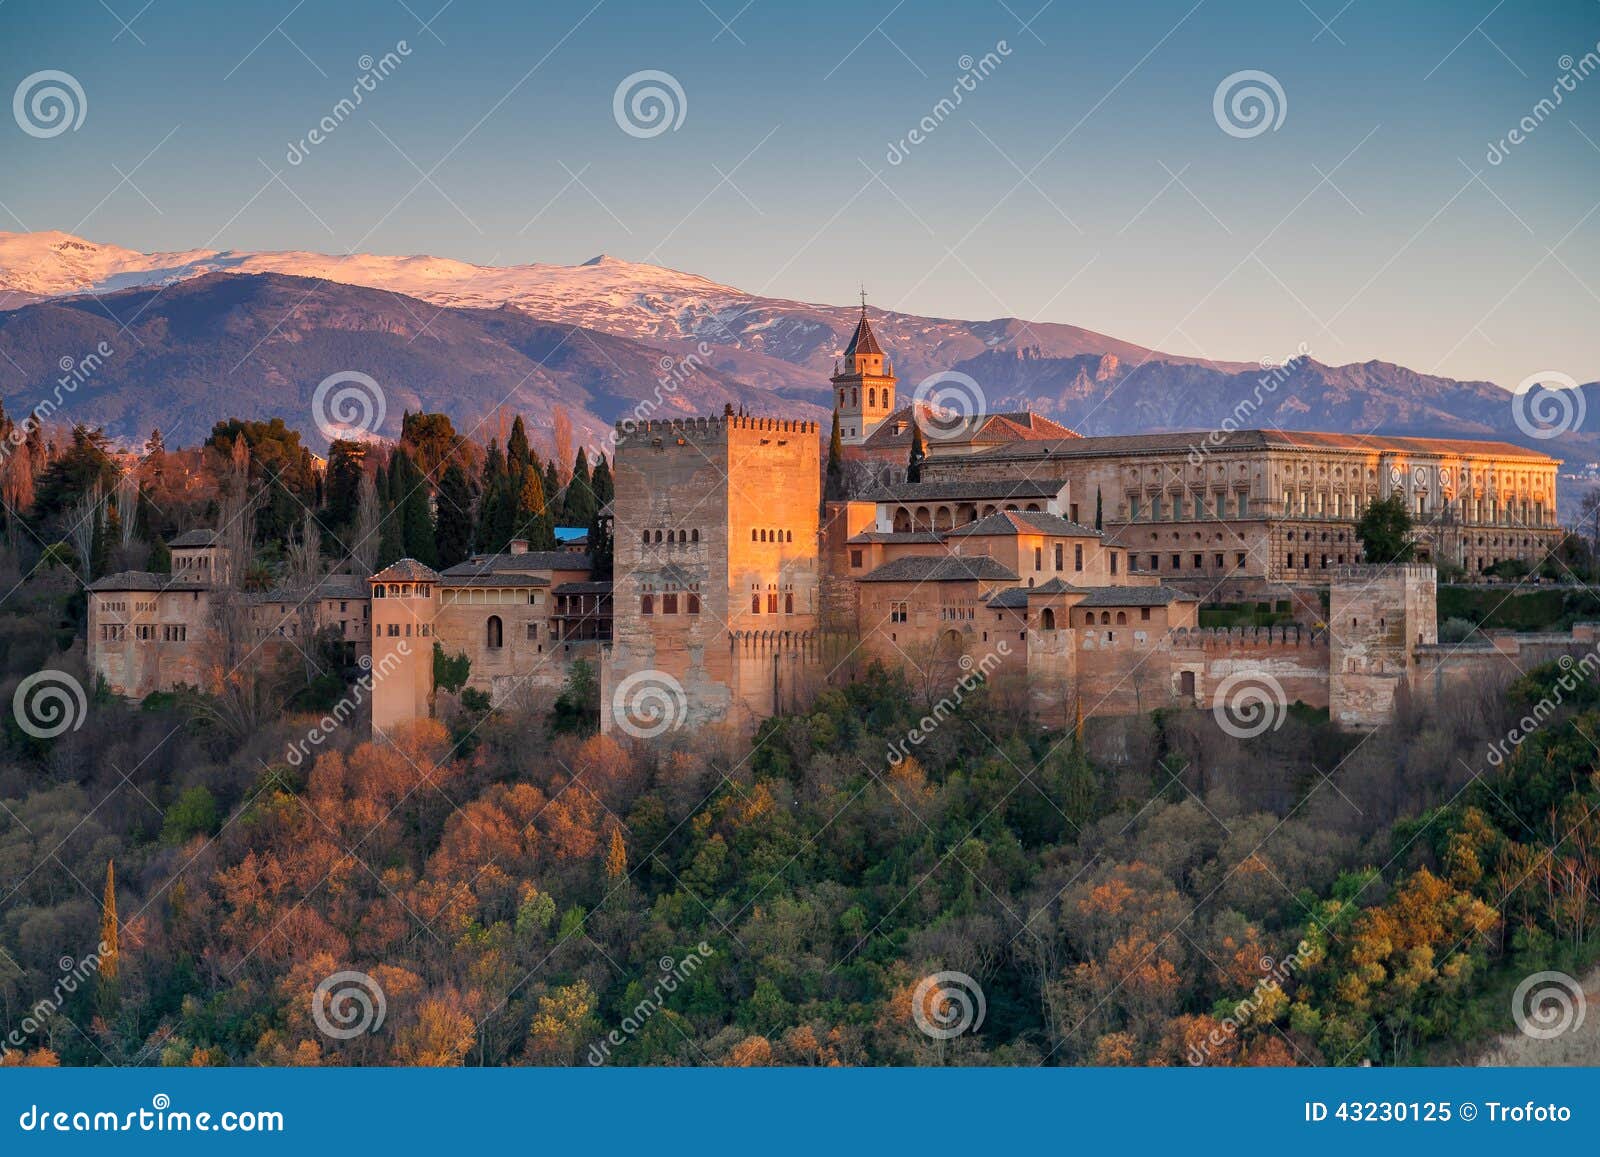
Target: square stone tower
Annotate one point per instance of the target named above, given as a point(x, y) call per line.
point(1377, 617)
point(715, 584)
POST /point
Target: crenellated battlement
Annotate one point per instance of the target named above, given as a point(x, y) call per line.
point(1239, 638)
point(1374, 572)
point(646, 431)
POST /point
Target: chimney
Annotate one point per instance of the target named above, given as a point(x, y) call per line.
point(519, 546)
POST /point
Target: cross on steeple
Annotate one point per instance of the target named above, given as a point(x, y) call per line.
point(863, 299)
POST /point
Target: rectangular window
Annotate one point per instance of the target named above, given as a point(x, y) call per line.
point(1155, 562)
point(1038, 558)
point(1113, 562)
point(1244, 505)
point(1144, 614)
point(1239, 558)
point(1133, 508)
point(1155, 509)
point(669, 604)
point(855, 559)
point(1199, 562)
point(1177, 562)
point(533, 631)
point(1077, 556)
point(1219, 562)
point(772, 603)
point(1059, 549)
point(1072, 512)
point(145, 631)
point(897, 612)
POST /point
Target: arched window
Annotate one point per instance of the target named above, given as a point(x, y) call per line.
point(1105, 617)
point(872, 397)
point(377, 591)
point(694, 604)
point(694, 535)
point(763, 536)
point(1047, 620)
point(788, 604)
point(647, 605)
point(752, 536)
point(494, 633)
point(755, 604)
point(1122, 618)
point(669, 604)
point(645, 538)
point(791, 536)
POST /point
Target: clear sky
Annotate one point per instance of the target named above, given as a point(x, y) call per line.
point(1086, 179)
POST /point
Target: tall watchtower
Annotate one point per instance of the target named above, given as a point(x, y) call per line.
point(716, 589)
point(1377, 617)
point(863, 383)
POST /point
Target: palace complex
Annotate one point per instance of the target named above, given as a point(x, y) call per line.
point(1018, 550)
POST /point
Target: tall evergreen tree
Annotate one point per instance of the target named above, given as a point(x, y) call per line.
point(453, 532)
point(1099, 509)
point(834, 486)
point(413, 509)
point(919, 454)
point(578, 504)
point(518, 452)
point(552, 493)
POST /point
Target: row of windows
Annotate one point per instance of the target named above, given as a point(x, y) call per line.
point(1184, 506)
point(683, 536)
point(772, 536)
point(772, 603)
point(669, 604)
point(1200, 561)
point(1047, 618)
point(392, 630)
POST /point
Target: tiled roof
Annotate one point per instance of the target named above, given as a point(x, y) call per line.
point(407, 570)
point(1000, 429)
point(589, 588)
point(1012, 522)
point(524, 563)
point(894, 536)
point(194, 538)
point(1135, 597)
point(1209, 441)
point(863, 341)
point(936, 569)
point(142, 580)
point(505, 578)
point(1012, 598)
point(997, 490)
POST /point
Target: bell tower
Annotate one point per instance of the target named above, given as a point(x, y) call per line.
point(863, 383)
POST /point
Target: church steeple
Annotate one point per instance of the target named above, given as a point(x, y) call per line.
point(864, 382)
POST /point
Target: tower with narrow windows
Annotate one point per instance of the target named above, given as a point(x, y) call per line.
point(863, 384)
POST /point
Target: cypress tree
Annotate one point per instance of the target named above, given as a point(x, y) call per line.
point(918, 453)
point(518, 452)
point(416, 519)
point(834, 487)
point(452, 535)
point(578, 505)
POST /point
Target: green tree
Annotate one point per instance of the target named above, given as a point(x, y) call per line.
point(1385, 531)
point(518, 452)
point(578, 506)
point(412, 508)
point(834, 486)
point(919, 454)
point(453, 532)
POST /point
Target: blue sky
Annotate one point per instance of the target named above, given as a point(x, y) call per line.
point(1084, 180)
